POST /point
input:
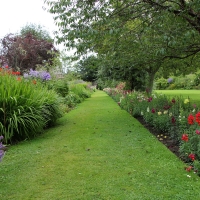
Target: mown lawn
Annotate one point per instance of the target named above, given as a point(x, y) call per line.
point(96, 152)
point(194, 95)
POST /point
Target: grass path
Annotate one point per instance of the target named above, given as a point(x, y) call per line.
point(96, 152)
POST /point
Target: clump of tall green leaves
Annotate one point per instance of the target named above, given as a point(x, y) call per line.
point(26, 107)
point(81, 90)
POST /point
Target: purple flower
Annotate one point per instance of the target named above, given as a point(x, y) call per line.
point(45, 76)
point(26, 75)
point(2, 152)
point(170, 80)
point(33, 73)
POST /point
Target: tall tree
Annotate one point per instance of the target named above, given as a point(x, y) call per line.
point(29, 49)
point(145, 33)
point(36, 30)
point(88, 68)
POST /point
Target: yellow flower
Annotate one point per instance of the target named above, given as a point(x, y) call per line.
point(186, 101)
point(159, 113)
point(165, 112)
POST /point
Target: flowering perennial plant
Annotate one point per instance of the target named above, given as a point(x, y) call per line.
point(190, 119)
point(25, 110)
point(44, 76)
point(185, 137)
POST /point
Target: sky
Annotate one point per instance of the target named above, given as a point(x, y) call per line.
point(16, 14)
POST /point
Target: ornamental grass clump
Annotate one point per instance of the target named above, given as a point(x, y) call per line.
point(26, 107)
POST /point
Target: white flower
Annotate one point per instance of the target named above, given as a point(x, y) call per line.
point(142, 113)
point(188, 176)
point(147, 109)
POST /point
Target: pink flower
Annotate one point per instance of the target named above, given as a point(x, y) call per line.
point(197, 132)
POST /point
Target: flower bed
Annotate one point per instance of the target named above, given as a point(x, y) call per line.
point(26, 106)
point(173, 119)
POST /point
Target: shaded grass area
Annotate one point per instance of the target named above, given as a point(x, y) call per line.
point(194, 95)
point(96, 152)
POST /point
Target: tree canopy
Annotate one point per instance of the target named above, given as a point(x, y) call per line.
point(27, 50)
point(140, 35)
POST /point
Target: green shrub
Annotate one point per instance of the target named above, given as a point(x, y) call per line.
point(61, 87)
point(72, 99)
point(161, 84)
point(26, 107)
point(80, 90)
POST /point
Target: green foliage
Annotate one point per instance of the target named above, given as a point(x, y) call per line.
point(88, 68)
point(186, 82)
point(72, 99)
point(161, 83)
point(37, 30)
point(25, 108)
point(129, 43)
point(80, 90)
point(61, 87)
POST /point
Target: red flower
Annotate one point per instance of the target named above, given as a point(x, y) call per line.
point(184, 137)
point(153, 110)
point(166, 107)
point(6, 67)
point(149, 99)
point(34, 81)
point(173, 101)
point(190, 119)
point(198, 118)
point(18, 78)
point(173, 120)
point(189, 168)
point(192, 156)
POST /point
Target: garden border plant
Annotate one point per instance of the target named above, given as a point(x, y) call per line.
point(26, 106)
point(168, 117)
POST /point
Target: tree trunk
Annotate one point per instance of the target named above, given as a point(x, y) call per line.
point(150, 81)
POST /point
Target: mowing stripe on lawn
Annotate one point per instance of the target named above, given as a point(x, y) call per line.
point(96, 152)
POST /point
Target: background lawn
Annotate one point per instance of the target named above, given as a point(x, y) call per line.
point(194, 95)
